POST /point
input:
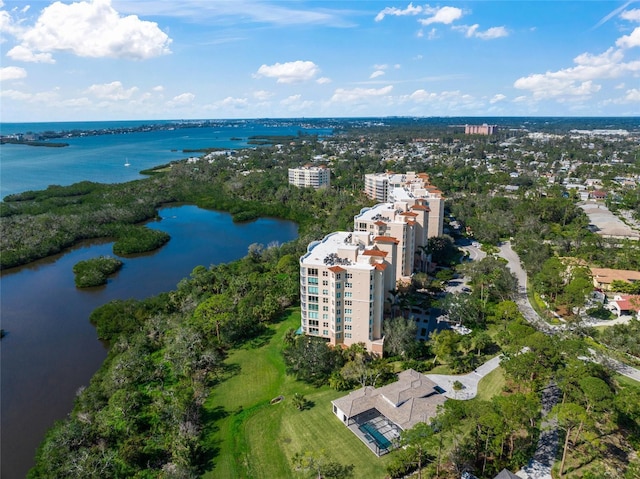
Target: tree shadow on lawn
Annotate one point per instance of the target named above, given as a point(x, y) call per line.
point(307, 405)
point(261, 340)
point(210, 447)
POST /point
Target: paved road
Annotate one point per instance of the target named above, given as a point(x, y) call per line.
point(521, 299)
point(540, 465)
point(475, 253)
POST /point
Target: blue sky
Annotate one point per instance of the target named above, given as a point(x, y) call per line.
point(167, 59)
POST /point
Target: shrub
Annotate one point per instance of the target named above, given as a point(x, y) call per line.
point(135, 239)
point(94, 272)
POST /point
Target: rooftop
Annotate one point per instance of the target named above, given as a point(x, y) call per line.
point(411, 399)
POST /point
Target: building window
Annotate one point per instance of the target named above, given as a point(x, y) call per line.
point(313, 315)
point(312, 280)
point(313, 323)
point(348, 275)
point(337, 295)
point(325, 308)
point(313, 307)
point(347, 302)
point(338, 286)
point(313, 289)
point(313, 299)
point(347, 335)
point(325, 325)
point(325, 282)
point(325, 291)
point(347, 319)
point(325, 273)
point(348, 294)
point(325, 332)
point(338, 335)
point(325, 316)
point(313, 271)
point(347, 311)
point(348, 285)
point(325, 300)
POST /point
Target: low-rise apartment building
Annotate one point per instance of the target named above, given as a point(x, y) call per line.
point(310, 176)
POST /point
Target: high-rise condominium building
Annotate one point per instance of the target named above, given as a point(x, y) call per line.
point(310, 176)
point(346, 278)
point(343, 279)
point(483, 129)
point(408, 187)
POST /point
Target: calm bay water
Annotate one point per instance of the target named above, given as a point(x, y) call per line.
point(51, 349)
point(102, 158)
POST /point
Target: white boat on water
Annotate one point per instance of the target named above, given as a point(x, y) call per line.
point(126, 163)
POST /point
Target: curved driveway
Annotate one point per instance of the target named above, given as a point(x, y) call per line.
point(521, 299)
point(469, 381)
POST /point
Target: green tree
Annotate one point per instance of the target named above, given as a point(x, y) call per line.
point(318, 465)
point(571, 418)
point(399, 336)
point(550, 280)
point(298, 401)
point(418, 440)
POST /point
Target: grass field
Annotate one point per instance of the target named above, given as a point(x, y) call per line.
point(255, 439)
point(491, 385)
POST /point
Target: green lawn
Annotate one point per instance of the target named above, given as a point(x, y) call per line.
point(491, 385)
point(254, 439)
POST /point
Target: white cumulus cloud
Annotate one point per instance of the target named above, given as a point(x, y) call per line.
point(262, 95)
point(358, 94)
point(376, 74)
point(181, 100)
point(631, 15)
point(497, 98)
point(398, 12)
point(111, 91)
point(472, 31)
point(24, 54)
point(92, 29)
point(323, 80)
point(231, 102)
point(12, 73)
point(446, 15)
point(633, 95)
point(290, 72)
point(631, 40)
point(578, 80)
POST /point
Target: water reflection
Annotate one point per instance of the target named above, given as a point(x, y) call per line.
point(51, 348)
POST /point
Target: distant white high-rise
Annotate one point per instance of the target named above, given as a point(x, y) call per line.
point(310, 176)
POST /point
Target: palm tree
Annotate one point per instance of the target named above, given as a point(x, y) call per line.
point(299, 401)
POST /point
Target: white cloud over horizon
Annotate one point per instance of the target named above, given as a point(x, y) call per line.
point(12, 73)
point(89, 29)
point(268, 57)
point(114, 91)
point(472, 31)
point(354, 95)
point(445, 15)
point(289, 72)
